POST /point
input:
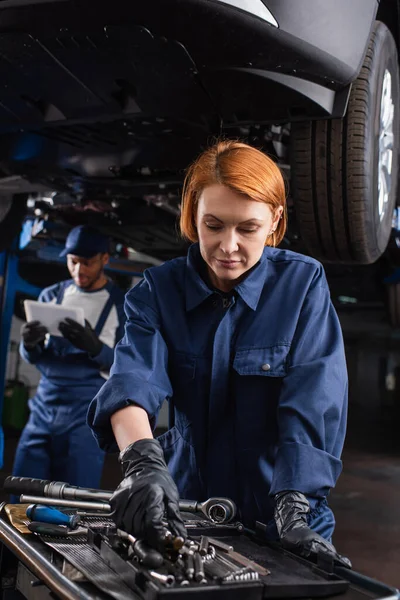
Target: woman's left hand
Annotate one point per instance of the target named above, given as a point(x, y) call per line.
point(291, 509)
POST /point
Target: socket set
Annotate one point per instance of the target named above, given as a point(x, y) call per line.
point(219, 561)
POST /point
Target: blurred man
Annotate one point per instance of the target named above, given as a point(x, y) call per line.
point(56, 443)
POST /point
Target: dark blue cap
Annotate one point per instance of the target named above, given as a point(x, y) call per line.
point(85, 241)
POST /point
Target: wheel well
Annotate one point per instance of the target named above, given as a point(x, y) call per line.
point(389, 13)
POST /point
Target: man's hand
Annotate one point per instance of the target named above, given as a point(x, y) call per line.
point(33, 334)
point(291, 509)
point(145, 493)
point(84, 338)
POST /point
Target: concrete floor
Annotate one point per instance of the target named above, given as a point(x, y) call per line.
point(366, 503)
point(366, 500)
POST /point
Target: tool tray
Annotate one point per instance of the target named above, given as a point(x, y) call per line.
point(111, 576)
point(289, 576)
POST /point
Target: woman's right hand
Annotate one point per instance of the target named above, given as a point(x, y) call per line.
point(145, 494)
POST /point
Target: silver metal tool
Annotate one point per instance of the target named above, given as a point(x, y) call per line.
point(167, 580)
point(85, 514)
point(203, 547)
point(199, 574)
point(245, 574)
point(220, 545)
point(246, 562)
point(53, 489)
point(218, 510)
point(82, 504)
point(190, 566)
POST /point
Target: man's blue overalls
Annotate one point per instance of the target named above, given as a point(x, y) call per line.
point(56, 443)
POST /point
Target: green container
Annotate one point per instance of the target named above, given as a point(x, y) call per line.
point(15, 406)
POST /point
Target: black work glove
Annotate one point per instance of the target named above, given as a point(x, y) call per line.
point(291, 509)
point(84, 338)
point(33, 334)
point(145, 493)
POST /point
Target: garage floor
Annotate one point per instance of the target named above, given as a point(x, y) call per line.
point(366, 500)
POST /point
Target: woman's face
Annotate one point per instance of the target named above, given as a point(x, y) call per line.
point(232, 231)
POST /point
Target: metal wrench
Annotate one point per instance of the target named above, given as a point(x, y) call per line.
point(218, 510)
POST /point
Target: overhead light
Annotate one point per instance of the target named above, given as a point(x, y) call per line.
point(254, 7)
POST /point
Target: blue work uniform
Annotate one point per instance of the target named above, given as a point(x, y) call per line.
point(56, 443)
point(256, 381)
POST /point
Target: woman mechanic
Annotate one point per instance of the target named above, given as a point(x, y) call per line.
point(242, 340)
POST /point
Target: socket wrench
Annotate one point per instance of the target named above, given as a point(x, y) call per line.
point(217, 510)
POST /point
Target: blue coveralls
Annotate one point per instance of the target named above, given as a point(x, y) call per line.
point(56, 443)
point(257, 385)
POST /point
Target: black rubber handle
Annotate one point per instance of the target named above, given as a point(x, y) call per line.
point(148, 556)
point(47, 529)
point(25, 485)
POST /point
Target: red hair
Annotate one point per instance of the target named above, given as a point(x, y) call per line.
point(244, 170)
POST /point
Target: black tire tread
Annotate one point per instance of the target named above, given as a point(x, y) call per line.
point(330, 177)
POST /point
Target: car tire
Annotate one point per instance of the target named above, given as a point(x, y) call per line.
point(337, 167)
point(12, 212)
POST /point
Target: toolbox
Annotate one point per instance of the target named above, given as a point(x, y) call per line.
point(36, 567)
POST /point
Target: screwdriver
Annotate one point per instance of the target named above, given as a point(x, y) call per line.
point(54, 530)
point(46, 514)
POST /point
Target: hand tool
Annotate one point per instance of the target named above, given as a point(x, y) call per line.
point(146, 555)
point(246, 562)
point(222, 561)
point(190, 566)
point(55, 530)
point(245, 574)
point(220, 545)
point(100, 506)
point(173, 542)
point(211, 554)
point(167, 580)
point(216, 570)
point(218, 510)
point(53, 489)
point(45, 514)
point(199, 574)
point(85, 514)
point(203, 546)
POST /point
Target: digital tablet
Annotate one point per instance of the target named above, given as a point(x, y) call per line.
point(50, 315)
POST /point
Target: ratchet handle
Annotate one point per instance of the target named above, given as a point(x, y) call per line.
point(25, 485)
point(188, 506)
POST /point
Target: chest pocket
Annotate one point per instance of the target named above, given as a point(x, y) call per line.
point(266, 362)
